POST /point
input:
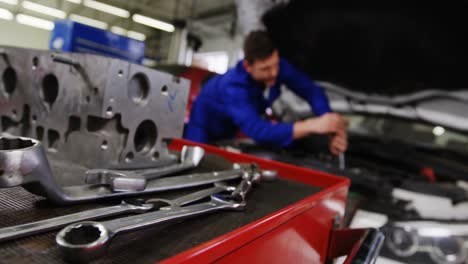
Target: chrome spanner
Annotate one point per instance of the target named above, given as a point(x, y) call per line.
point(24, 163)
point(135, 180)
point(131, 206)
point(165, 204)
point(13, 232)
point(87, 240)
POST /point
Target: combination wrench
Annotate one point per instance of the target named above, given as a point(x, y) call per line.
point(87, 240)
point(131, 206)
point(24, 163)
point(19, 231)
point(84, 241)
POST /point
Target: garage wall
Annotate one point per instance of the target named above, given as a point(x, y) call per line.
point(232, 46)
point(18, 35)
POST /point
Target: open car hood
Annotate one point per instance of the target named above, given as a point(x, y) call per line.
point(438, 107)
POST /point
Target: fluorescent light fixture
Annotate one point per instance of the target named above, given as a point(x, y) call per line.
point(34, 22)
point(9, 2)
point(88, 21)
point(5, 14)
point(43, 9)
point(75, 1)
point(107, 8)
point(136, 35)
point(119, 30)
point(151, 22)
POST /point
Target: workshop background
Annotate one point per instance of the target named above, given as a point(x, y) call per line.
point(396, 74)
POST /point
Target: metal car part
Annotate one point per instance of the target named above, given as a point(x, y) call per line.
point(90, 110)
point(24, 163)
point(135, 180)
point(87, 240)
point(444, 243)
point(13, 232)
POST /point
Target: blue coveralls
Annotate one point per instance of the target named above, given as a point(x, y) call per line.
point(234, 101)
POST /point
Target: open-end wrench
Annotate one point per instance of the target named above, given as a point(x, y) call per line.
point(24, 163)
point(135, 180)
point(93, 192)
point(84, 241)
point(13, 232)
point(192, 197)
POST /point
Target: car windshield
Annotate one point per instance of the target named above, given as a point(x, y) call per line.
point(408, 131)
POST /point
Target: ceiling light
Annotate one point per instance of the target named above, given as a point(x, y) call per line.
point(9, 2)
point(136, 35)
point(34, 22)
point(44, 9)
point(5, 14)
point(153, 23)
point(107, 8)
point(75, 1)
point(438, 131)
point(119, 30)
point(88, 21)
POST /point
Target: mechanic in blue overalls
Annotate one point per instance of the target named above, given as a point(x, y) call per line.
point(235, 100)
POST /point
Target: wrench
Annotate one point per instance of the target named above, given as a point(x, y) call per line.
point(192, 197)
point(133, 206)
point(29, 229)
point(251, 175)
point(24, 163)
point(84, 241)
point(135, 180)
point(93, 192)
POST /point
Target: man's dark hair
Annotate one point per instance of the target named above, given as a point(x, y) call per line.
point(257, 46)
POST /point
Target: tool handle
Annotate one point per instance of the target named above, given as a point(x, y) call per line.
point(136, 222)
point(196, 196)
point(152, 174)
point(28, 229)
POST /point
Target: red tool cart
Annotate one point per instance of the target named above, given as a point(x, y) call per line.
point(294, 219)
point(306, 231)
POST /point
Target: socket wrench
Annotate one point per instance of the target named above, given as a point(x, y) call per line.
point(88, 240)
point(135, 180)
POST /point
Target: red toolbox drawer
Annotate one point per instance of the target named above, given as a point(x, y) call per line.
point(299, 233)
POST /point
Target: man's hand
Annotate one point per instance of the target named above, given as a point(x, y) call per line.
point(338, 142)
point(329, 123)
